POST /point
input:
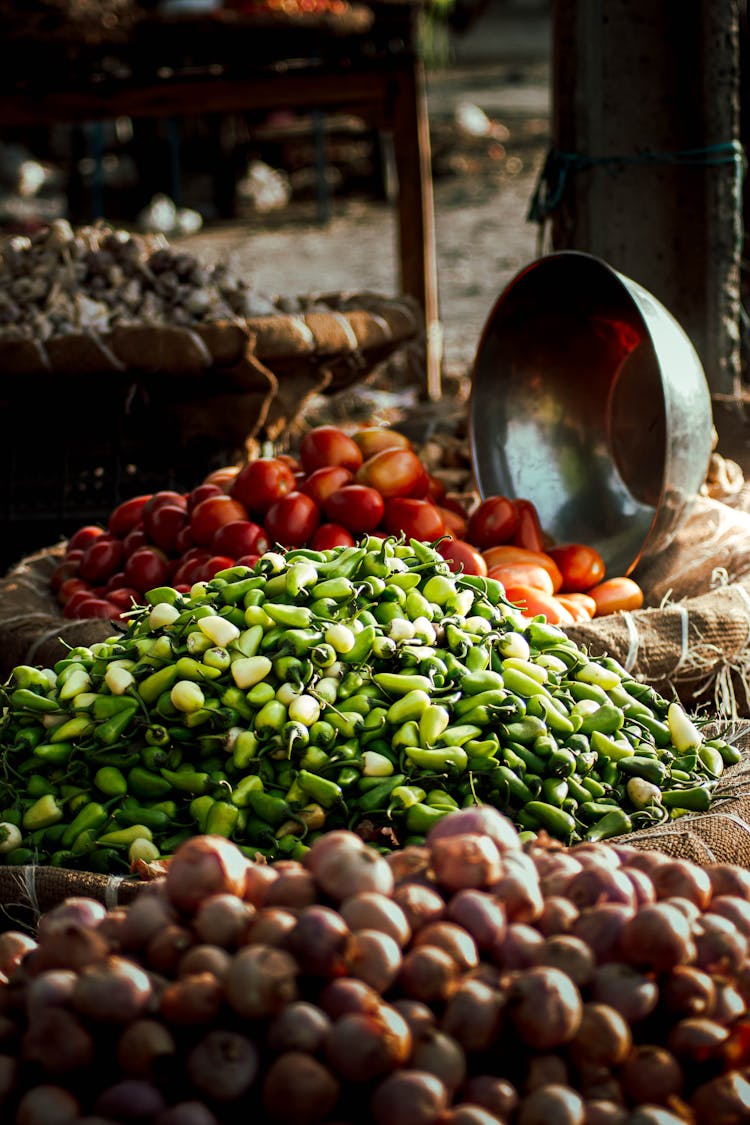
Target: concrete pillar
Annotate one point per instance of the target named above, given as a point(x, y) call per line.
point(637, 77)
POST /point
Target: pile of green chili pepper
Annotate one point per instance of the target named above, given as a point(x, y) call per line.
point(321, 690)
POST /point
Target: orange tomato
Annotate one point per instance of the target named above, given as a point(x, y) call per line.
point(528, 531)
point(532, 601)
point(615, 595)
point(523, 574)
point(461, 555)
point(454, 523)
point(372, 439)
point(583, 601)
point(578, 611)
point(581, 566)
point(507, 553)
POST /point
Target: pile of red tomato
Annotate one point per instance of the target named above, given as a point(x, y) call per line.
point(338, 488)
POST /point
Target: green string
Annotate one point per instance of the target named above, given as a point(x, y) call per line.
point(558, 165)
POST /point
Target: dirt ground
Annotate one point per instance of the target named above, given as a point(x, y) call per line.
point(482, 188)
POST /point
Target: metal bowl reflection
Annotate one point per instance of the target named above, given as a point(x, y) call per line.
point(589, 399)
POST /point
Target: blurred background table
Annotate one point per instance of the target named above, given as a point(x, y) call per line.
point(350, 58)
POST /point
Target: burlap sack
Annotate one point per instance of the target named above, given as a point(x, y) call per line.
point(30, 891)
point(32, 630)
point(691, 638)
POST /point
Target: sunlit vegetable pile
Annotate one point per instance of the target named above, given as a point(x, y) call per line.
point(366, 687)
point(467, 981)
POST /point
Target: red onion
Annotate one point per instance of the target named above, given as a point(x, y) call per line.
point(465, 860)
point(477, 820)
point(203, 866)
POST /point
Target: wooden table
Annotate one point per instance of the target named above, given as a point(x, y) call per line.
point(229, 63)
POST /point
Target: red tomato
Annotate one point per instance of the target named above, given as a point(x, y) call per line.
point(331, 535)
point(164, 496)
point(70, 587)
point(213, 513)
point(183, 541)
point(417, 519)
point(247, 560)
point(63, 572)
point(322, 482)
point(213, 565)
point(91, 607)
point(576, 609)
point(262, 482)
point(293, 462)
point(506, 553)
point(615, 595)
point(581, 566)
point(582, 601)
point(328, 445)
point(493, 522)
point(164, 524)
point(531, 602)
point(395, 472)
point(373, 439)
point(189, 570)
point(224, 477)
point(356, 507)
point(135, 539)
point(202, 492)
point(292, 520)
point(124, 597)
point(81, 539)
point(454, 524)
point(435, 489)
point(146, 568)
point(125, 516)
point(241, 537)
point(524, 574)
point(461, 556)
point(102, 558)
point(528, 532)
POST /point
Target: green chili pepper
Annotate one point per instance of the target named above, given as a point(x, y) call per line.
point(25, 699)
point(110, 781)
point(531, 761)
point(395, 683)
point(244, 787)
point(123, 837)
point(591, 811)
point(77, 727)
point(552, 714)
point(518, 790)
point(321, 789)
point(650, 769)
point(110, 732)
point(711, 760)
point(186, 780)
point(158, 820)
point(607, 719)
point(608, 748)
point(524, 730)
point(556, 821)
point(147, 786)
point(554, 790)
point(438, 758)
point(38, 786)
point(561, 763)
point(157, 683)
point(614, 823)
point(222, 819)
point(52, 753)
point(378, 796)
point(412, 705)
point(730, 754)
point(273, 810)
point(44, 812)
point(420, 817)
point(696, 799)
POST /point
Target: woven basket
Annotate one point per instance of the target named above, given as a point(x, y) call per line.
point(89, 420)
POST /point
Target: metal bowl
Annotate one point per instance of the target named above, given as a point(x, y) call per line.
point(588, 398)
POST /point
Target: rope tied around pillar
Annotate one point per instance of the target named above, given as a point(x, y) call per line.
point(558, 165)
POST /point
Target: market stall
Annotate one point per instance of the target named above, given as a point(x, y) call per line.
point(365, 764)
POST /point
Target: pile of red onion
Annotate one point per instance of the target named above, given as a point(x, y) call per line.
point(469, 981)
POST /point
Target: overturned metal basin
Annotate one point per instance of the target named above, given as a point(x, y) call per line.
point(589, 399)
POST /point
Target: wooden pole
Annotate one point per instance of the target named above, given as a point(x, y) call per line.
point(652, 82)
